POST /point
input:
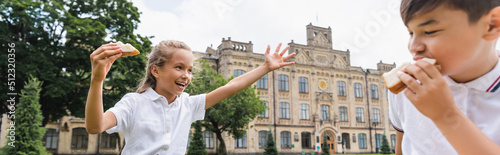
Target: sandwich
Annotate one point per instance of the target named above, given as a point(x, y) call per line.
point(394, 84)
point(127, 49)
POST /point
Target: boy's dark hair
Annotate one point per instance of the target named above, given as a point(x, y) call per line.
point(475, 9)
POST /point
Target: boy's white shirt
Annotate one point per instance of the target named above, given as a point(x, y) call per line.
point(152, 126)
point(421, 136)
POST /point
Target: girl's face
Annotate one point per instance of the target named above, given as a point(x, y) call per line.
point(175, 75)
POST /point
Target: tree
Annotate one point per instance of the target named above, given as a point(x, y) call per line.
point(27, 122)
point(220, 118)
point(325, 149)
point(197, 146)
point(53, 40)
point(270, 148)
point(385, 148)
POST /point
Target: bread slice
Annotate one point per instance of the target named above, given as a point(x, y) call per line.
point(394, 84)
point(127, 49)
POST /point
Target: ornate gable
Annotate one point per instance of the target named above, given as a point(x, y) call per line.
point(320, 40)
point(338, 62)
point(303, 57)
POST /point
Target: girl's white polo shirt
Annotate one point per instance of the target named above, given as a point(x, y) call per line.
point(479, 100)
point(152, 126)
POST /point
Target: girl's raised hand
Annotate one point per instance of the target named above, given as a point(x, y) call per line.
point(102, 59)
point(276, 60)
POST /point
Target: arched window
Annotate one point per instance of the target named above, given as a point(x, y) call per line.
point(303, 85)
point(284, 110)
point(304, 111)
point(325, 112)
point(343, 114)
point(358, 91)
point(209, 139)
point(374, 91)
point(238, 72)
point(306, 139)
point(265, 114)
point(282, 82)
point(360, 115)
point(286, 141)
point(362, 140)
point(51, 138)
point(108, 140)
point(376, 115)
point(262, 82)
point(262, 139)
point(79, 138)
point(241, 142)
point(341, 88)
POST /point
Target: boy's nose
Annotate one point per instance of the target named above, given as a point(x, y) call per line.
point(416, 46)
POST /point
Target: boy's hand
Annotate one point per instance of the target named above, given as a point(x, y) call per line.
point(276, 60)
point(430, 94)
point(102, 59)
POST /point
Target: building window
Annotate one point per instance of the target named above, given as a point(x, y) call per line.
point(341, 88)
point(209, 139)
point(303, 85)
point(265, 114)
point(362, 140)
point(238, 72)
point(376, 115)
point(358, 91)
point(262, 82)
point(360, 115)
point(304, 111)
point(286, 140)
point(374, 91)
point(242, 142)
point(378, 140)
point(262, 139)
point(325, 112)
point(51, 138)
point(343, 114)
point(79, 138)
point(345, 141)
point(306, 139)
point(283, 82)
point(108, 140)
point(393, 141)
point(284, 110)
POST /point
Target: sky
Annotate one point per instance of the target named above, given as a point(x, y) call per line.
point(372, 30)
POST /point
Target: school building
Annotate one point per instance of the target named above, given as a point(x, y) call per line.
point(322, 94)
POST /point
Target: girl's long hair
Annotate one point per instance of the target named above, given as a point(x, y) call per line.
point(161, 54)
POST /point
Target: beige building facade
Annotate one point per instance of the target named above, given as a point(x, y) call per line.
point(321, 95)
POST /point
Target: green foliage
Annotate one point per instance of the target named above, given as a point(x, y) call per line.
point(270, 148)
point(53, 40)
point(325, 149)
point(27, 123)
point(220, 118)
point(385, 148)
point(197, 146)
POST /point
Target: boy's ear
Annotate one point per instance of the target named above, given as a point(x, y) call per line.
point(154, 70)
point(493, 24)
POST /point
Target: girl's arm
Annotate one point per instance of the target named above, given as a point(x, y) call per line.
point(273, 61)
point(96, 121)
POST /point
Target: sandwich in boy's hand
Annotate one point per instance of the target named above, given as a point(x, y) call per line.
point(394, 84)
point(127, 49)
